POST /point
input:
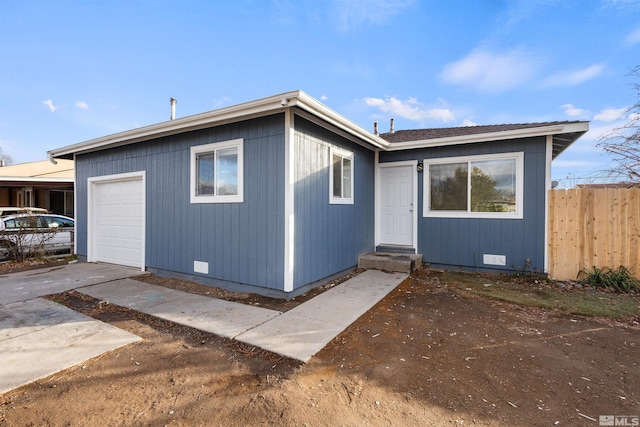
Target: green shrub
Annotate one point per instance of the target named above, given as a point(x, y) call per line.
point(620, 280)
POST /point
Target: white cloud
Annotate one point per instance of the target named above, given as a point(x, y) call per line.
point(572, 111)
point(574, 78)
point(492, 71)
point(467, 122)
point(82, 105)
point(49, 103)
point(610, 114)
point(410, 109)
point(633, 38)
point(323, 97)
point(354, 13)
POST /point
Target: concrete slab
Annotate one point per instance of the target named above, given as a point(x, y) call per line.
point(132, 294)
point(220, 317)
point(385, 261)
point(303, 331)
point(39, 338)
point(35, 283)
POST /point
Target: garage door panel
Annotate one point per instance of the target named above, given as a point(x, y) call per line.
point(118, 221)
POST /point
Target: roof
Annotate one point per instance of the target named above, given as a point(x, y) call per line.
point(564, 134)
point(41, 171)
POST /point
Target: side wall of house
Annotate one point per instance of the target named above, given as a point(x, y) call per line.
point(242, 242)
point(329, 237)
point(461, 242)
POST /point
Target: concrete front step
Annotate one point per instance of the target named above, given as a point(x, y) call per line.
point(393, 262)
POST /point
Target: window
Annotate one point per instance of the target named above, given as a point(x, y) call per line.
point(488, 186)
point(341, 177)
point(217, 172)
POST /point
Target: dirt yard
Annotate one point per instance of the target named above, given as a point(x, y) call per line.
point(425, 355)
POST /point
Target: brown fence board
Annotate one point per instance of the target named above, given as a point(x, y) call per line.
point(593, 227)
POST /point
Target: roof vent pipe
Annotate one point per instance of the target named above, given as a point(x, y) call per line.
point(173, 107)
point(375, 127)
point(391, 129)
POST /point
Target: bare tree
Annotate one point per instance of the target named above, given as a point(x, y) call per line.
point(623, 143)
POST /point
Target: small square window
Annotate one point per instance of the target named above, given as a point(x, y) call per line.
point(217, 172)
point(341, 177)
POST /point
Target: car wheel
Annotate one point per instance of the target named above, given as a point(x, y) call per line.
point(6, 250)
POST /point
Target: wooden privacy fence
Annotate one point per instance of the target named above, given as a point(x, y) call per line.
point(593, 227)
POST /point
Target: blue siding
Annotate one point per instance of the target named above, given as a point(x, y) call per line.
point(242, 242)
point(461, 242)
point(329, 238)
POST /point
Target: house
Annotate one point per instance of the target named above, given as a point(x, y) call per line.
point(41, 184)
point(281, 194)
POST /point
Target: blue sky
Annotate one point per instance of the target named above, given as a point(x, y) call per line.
point(76, 70)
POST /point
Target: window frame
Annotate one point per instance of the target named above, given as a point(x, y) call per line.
point(343, 154)
point(214, 148)
point(519, 187)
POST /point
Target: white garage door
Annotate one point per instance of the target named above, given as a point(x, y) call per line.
point(116, 233)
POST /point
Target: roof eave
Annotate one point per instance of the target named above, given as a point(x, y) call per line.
point(323, 112)
point(260, 107)
point(34, 179)
point(576, 127)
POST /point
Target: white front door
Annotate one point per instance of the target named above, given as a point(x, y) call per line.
point(396, 205)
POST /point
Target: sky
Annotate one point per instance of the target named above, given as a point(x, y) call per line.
point(74, 70)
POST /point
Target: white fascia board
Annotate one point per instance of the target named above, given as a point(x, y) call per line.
point(323, 112)
point(492, 136)
point(32, 179)
point(257, 108)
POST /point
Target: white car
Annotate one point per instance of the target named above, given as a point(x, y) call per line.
point(25, 234)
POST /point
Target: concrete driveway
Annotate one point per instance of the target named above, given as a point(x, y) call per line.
point(27, 285)
point(39, 337)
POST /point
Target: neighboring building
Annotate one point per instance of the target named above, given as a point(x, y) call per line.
point(40, 184)
point(279, 194)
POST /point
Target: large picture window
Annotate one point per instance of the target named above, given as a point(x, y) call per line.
point(488, 186)
point(341, 177)
point(217, 172)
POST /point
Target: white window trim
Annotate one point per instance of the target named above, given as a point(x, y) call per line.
point(335, 151)
point(216, 146)
point(518, 214)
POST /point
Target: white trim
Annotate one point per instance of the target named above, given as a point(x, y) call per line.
point(547, 187)
point(130, 176)
point(215, 147)
point(289, 192)
point(518, 214)
point(75, 203)
point(378, 198)
point(33, 179)
point(344, 154)
point(260, 107)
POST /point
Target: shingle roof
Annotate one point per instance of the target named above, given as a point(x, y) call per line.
point(435, 133)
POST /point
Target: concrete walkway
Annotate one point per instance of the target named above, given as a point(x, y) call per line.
point(298, 333)
point(39, 337)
